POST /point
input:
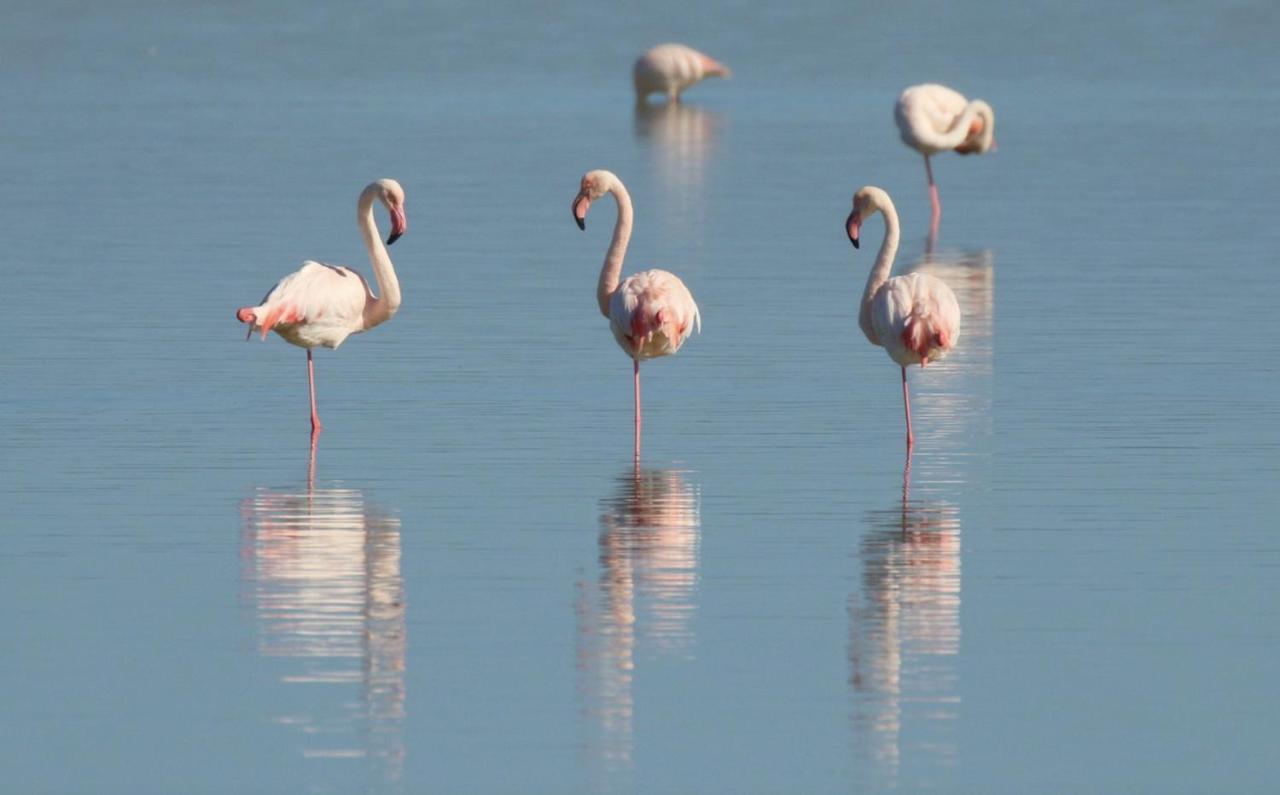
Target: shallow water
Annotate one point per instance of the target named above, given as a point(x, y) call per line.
point(470, 588)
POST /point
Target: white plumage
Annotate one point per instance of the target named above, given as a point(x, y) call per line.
point(919, 305)
point(669, 69)
point(932, 119)
point(318, 305)
point(657, 300)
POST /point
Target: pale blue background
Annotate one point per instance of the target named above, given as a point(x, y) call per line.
point(1084, 597)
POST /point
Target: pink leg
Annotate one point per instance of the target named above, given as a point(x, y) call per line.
point(311, 381)
point(637, 387)
point(933, 200)
point(906, 403)
point(311, 463)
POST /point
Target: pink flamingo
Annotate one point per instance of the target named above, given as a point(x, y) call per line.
point(671, 68)
point(321, 304)
point(915, 317)
point(933, 118)
point(651, 313)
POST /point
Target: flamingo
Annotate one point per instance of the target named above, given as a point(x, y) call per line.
point(321, 304)
point(915, 317)
point(671, 68)
point(933, 118)
point(651, 313)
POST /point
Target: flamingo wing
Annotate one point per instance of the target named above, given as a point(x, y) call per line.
point(916, 318)
point(926, 112)
point(317, 304)
point(654, 301)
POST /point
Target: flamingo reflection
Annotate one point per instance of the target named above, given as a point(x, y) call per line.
point(904, 635)
point(649, 539)
point(682, 139)
point(322, 569)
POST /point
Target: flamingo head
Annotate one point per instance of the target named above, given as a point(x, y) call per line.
point(594, 185)
point(866, 202)
point(391, 195)
point(982, 131)
point(713, 68)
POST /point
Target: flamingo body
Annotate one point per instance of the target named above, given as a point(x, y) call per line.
point(669, 69)
point(652, 313)
point(916, 318)
point(318, 305)
point(929, 120)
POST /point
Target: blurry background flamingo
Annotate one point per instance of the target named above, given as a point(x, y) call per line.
point(669, 69)
point(932, 119)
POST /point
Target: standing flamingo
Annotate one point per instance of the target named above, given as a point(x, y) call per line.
point(671, 68)
point(933, 118)
point(915, 317)
point(321, 304)
point(651, 313)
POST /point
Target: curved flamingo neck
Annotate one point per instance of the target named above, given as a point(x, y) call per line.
point(880, 270)
point(959, 131)
point(611, 271)
point(377, 309)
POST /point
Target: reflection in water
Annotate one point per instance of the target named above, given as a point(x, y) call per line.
point(954, 403)
point(682, 139)
point(322, 569)
point(904, 635)
point(648, 584)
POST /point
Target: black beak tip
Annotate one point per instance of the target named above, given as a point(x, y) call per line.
point(854, 241)
point(582, 223)
point(393, 238)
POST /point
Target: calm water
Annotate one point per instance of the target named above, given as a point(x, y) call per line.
point(1075, 588)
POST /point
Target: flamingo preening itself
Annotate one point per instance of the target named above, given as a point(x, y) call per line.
point(932, 119)
point(322, 305)
point(651, 313)
point(915, 317)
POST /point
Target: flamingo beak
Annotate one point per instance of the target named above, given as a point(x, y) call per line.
point(713, 68)
point(398, 224)
point(580, 207)
point(852, 225)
